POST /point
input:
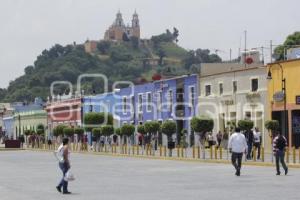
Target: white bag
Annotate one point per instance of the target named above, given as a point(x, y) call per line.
point(69, 176)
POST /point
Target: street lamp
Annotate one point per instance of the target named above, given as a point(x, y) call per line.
point(283, 88)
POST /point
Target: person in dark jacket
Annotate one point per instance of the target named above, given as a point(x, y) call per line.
point(279, 146)
point(250, 138)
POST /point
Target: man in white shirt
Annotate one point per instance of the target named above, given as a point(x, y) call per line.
point(237, 145)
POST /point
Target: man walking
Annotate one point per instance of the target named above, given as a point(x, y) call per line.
point(237, 146)
point(64, 165)
point(219, 138)
point(279, 145)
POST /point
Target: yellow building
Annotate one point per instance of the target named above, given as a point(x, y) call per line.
point(285, 76)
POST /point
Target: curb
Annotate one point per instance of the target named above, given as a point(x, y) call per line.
point(12, 149)
point(248, 163)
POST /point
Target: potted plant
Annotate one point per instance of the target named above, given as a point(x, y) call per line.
point(202, 125)
point(169, 128)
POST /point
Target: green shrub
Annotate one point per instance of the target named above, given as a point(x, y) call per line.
point(107, 130)
point(141, 129)
point(272, 125)
point(168, 127)
point(152, 127)
point(96, 132)
point(79, 131)
point(245, 125)
point(127, 130)
point(68, 132)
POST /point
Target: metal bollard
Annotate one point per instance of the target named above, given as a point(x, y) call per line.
point(263, 154)
point(150, 150)
point(165, 151)
point(211, 152)
point(198, 152)
point(182, 151)
point(194, 151)
point(221, 153)
point(160, 151)
point(178, 151)
point(299, 154)
point(133, 148)
point(294, 155)
point(137, 150)
point(287, 155)
point(216, 153)
point(254, 154)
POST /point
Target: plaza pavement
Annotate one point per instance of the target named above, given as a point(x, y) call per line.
point(27, 175)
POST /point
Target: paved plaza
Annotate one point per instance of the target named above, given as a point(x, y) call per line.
point(26, 175)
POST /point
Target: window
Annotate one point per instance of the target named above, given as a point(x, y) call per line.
point(254, 85)
point(149, 100)
point(234, 86)
point(192, 95)
point(140, 103)
point(124, 105)
point(207, 90)
point(91, 108)
point(221, 90)
point(170, 100)
point(248, 115)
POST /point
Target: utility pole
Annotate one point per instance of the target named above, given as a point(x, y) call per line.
point(230, 51)
point(271, 51)
point(262, 55)
point(245, 47)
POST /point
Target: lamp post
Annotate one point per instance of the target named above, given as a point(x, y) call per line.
point(19, 118)
point(283, 89)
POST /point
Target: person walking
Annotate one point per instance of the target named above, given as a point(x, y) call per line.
point(210, 139)
point(279, 146)
point(219, 138)
point(250, 139)
point(257, 142)
point(63, 155)
point(237, 146)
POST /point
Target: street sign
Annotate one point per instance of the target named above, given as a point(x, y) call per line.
point(278, 96)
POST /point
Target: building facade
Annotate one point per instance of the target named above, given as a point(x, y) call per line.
point(169, 99)
point(67, 111)
point(106, 102)
point(285, 74)
point(232, 92)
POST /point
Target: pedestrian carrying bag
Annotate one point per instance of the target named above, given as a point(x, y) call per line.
point(69, 176)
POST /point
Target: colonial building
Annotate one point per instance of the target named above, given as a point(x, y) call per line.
point(65, 111)
point(284, 84)
point(168, 99)
point(118, 30)
point(230, 92)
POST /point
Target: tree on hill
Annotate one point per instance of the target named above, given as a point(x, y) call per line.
point(200, 56)
point(290, 42)
point(166, 37)
point(103, 46)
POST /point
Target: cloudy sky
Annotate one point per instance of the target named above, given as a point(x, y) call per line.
point(29, 26)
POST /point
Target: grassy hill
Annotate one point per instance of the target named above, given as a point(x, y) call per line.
point(127, 60)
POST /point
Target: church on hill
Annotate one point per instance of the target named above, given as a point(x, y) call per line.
point(118, 30)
